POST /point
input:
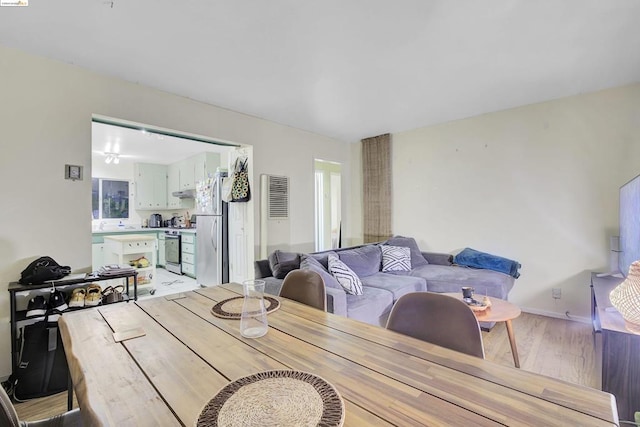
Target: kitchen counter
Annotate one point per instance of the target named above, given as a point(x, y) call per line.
point(141, 230)
point(98, 236)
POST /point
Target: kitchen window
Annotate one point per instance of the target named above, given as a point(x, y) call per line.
point(109, 199)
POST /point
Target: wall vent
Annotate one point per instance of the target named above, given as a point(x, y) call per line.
point(277, 197)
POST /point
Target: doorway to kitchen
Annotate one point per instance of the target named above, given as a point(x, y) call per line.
point(163, 169)
point(328, 217)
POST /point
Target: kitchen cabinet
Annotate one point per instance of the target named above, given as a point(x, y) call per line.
point(162, 260)
point(97, 255)
point(187, 173)
point(173, 184)
point(206, 164)
point(151, 186)
point(126, 249)
point(188, 254)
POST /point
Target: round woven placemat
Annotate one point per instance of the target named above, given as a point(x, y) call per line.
point(231, 308)
point(275, 398)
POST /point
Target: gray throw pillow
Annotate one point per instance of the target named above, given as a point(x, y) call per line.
point(282, 263)
point(322, 257)
point(417, 259)
point(311, 263)
point(364, 261)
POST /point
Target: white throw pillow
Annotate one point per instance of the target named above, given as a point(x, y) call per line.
point(395, 258)
point(349, 280)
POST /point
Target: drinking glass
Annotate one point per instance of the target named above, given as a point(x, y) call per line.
point(253, 320)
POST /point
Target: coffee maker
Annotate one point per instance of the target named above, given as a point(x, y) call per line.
point(155, 221)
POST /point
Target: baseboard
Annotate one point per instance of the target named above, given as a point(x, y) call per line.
point(580, 319)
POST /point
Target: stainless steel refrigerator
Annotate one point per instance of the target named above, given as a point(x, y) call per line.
point(212, 233)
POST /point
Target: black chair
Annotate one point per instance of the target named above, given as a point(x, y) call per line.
point(439, 319)
point(305, 286)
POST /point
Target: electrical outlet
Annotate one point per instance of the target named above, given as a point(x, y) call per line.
point(556, 293)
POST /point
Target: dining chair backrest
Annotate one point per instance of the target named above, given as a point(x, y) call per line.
point(305, 286)
point(8, 414)
point(439, 319)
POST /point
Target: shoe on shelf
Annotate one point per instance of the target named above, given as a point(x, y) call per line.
point(77, 298)
point(94, 295)
point(112, 294)
point(37, 306)
point(57, 301)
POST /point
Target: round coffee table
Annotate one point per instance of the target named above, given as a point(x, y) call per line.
point(500, 311)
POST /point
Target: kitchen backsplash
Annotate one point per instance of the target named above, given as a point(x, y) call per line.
point(137, 219)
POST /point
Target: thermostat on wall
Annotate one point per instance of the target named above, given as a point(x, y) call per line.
point(73, 172)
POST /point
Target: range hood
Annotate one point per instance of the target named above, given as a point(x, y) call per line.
point(184, 194)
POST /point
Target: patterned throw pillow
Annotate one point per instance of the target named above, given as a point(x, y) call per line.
point(395, 258)
point(345, 276)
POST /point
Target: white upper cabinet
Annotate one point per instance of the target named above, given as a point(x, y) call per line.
point(187, 173)
point(151, 186)
point(173, 185)
point(155, 184)
point(205, 165)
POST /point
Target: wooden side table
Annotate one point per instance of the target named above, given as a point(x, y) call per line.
point(500, 311)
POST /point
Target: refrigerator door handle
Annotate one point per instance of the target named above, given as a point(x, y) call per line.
point(214, 234)
point(215, 191)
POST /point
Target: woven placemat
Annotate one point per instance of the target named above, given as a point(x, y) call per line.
point(231, 308)
point(275, 398)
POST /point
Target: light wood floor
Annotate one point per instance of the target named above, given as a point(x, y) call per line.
point(557, 348)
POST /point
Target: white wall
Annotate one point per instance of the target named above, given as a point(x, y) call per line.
point(45, 123)
point(538, 184)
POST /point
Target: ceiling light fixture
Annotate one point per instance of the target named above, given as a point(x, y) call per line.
point(112, 157)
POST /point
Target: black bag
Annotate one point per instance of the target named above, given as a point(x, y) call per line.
point(42, 270)
point(240, 191)
point(42, 369)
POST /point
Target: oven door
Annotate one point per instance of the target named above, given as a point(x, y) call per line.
point(172, 253)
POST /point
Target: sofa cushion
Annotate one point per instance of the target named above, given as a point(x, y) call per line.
point(417, 259)
point(282, 263)
point(396, 284)
point(395, 258)
point(349, 280)
point(372, 306)
point(310, 263)
point(322, 258)
point(364, 261)
point(445, 278)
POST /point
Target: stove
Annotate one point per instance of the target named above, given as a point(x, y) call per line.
point(173, 251)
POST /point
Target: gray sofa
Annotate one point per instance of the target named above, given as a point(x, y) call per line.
point(434, 272)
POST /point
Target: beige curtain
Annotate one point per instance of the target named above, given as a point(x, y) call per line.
point(376, 182)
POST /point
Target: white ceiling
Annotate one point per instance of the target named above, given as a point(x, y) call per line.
point(145, 147)
point(348, 69)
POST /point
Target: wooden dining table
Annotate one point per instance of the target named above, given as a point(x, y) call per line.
point(157, 362)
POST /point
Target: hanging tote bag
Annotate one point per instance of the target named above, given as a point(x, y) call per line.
point(240, 191)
